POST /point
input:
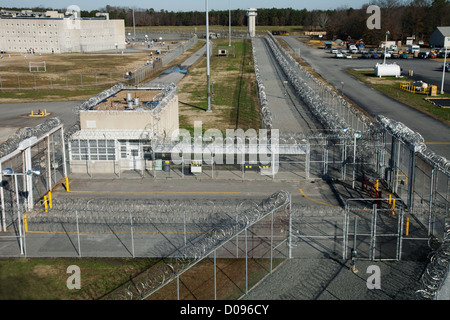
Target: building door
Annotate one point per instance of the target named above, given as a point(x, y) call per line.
point(131, 154)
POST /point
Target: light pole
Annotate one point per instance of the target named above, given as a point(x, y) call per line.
point(356, 135)
point(229, 23)
point(10, 172)
point(385, 47)
point(208, 75)
point(446, 41)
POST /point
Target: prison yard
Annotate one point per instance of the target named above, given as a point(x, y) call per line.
point(28, 77)
point(346, 187)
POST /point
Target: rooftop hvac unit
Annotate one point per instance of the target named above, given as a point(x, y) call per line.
point(129, 97)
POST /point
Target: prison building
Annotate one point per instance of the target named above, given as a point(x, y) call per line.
point(116, 134)
point(53, 32)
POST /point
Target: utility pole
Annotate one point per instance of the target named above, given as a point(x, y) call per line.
point(446, 42)
point(208, 75)
point(134, 27)
point(385, 47)
point(229, 23)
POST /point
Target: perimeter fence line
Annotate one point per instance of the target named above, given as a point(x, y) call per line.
point(183, 234)
point(60, 81)
point(386, 149)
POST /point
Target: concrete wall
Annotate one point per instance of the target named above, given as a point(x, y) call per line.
point(61, 35)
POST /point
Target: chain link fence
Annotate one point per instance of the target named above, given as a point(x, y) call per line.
point(182, 233)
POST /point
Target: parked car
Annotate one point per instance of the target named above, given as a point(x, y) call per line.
point(387, 54)
point(404, 55)
point(338, 55)
point(423, 55)
point(375, 55)
point(432, 55)
point(348, 56)
point(395, 55)
point(334, 50)
point(366, 55)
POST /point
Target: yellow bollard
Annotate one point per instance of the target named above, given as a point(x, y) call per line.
point(67, 184)
point(45, 203)
point(376, 185)
point(393, 207)
point(390, 197)
point(50, 199)
point(25, 223)
point(407, 226)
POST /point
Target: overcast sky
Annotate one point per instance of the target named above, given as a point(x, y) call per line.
point(186, 5)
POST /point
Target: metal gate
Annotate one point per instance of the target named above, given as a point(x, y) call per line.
point(373, 232)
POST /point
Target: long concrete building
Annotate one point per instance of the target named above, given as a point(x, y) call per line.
point(54, 32)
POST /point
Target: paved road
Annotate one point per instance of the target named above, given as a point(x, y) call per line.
point(333, 70)
point(319, 194)
point(15, 115)
point(176, 77)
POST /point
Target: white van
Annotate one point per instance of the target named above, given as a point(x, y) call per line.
point(413, 48)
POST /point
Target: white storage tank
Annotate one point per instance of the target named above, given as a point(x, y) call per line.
point(387, 70)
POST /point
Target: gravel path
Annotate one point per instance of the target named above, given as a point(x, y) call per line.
point(289, 113)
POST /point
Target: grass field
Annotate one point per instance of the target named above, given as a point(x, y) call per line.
point(69, 76)
point(234, 103)
point(46, 279)
point(390, 86)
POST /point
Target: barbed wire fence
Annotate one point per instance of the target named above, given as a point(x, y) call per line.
point(437, 270)
point(183, 232)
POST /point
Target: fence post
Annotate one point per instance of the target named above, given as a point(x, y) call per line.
point(271, 241)
point(246, 262)
point(431, 201)
point(412, 163)
point(215, 276)
point(178, 287)
point(132, 235)
point(290, 225)
point(78, 235)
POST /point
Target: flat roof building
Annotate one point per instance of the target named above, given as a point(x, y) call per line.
point(118, 126)
point(53, 32)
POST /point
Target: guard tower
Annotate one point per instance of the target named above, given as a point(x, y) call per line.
point(251, 14)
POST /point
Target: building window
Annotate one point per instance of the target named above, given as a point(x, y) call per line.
point(93, 150)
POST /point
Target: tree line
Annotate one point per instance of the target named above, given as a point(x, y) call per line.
point(402, 18)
